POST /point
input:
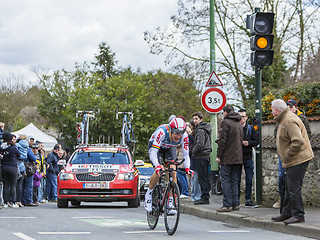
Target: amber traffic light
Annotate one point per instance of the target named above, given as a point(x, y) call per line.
point(261, 42)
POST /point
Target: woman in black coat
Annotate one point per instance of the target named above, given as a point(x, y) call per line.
point(9, 170)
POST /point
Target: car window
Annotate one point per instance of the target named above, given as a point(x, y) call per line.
point(146, 171)
point(99, 158)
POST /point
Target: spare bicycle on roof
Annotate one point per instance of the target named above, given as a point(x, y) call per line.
point(83, 127)
point(127, 134)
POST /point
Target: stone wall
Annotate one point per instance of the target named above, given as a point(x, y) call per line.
point(311, 184)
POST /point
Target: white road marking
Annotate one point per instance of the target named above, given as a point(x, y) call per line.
point(15, 217)
point(93, 217)
point(229, 231)
point(23, 236)
point(134, 232)
point(63, 233)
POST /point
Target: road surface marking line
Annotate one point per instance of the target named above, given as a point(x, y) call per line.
point(229, 231)
point(145, 232)
point(63, 233)
point(23, 236)
point(94, 217)
point(15, 217)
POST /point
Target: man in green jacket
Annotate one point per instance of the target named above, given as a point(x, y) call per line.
point(295, 151)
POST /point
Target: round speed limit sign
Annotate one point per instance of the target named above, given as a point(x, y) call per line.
point(213, 100)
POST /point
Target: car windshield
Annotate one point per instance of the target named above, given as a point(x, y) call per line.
point(100, 158)
point(146, 171)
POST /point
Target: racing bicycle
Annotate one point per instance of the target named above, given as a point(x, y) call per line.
point(83, 127)
point(127, 134)
point(161, 197)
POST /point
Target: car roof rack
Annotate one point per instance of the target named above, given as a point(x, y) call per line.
point(102, 145)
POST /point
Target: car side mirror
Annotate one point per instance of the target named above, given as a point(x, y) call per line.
point(62, 163)
point(139, 163)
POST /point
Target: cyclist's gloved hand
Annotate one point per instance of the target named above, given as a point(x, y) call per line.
point(189, 172)
point(158, 168)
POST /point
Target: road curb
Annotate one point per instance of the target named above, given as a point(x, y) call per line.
point(252, 222)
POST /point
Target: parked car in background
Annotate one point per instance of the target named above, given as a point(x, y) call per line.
point(145, 173)
point(99, 173)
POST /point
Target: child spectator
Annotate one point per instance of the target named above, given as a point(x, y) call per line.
point(36, 183)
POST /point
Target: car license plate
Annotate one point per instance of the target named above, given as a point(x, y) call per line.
point(96, 185)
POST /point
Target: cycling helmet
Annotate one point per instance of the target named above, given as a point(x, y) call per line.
point(177, 126)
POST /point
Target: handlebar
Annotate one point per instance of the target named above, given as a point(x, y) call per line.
point(129, 113)
point(175, 161)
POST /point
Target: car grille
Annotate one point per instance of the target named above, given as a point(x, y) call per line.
point(96, 191)
point(87, 177)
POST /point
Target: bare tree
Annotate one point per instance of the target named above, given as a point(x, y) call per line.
point(186, 41)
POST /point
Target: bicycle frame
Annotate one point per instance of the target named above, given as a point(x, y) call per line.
point(126, 129)
point(84, 126)
point(166, 192)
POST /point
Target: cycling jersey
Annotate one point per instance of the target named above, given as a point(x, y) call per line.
point(160, 139)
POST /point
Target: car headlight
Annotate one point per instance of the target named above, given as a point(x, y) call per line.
point(126, 176)
point(66, 176)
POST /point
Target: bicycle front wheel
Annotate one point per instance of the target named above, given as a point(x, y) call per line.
point(172, 209)
point(153, 216)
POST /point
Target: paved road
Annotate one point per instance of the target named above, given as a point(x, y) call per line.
point(113, 221)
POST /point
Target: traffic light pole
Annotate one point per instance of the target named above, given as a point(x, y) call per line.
point(258, 76)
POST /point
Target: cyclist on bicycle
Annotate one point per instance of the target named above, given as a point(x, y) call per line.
point(163, 141)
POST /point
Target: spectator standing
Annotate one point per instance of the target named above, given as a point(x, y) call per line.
point(22, 146)
point(295, 151)
point(9, 170)
point(194, 182)
point(27, 185)
point(36, 183)
point(181, 175)
point(201, 151)
point(1, 132)
point(229, 155)
point(293, 107)
point(43, 169)
point(250, 140)
point(1, 183)
point(52, 173)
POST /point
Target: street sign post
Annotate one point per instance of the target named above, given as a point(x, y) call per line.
point(213, 100)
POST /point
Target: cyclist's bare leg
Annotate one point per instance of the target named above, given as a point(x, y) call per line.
point(154, 179)
point(174, 176)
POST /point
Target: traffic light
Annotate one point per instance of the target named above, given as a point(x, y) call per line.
point(261, 26)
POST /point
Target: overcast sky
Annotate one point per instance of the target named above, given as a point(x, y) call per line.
point(54, 34)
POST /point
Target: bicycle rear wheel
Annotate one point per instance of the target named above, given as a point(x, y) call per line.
point(153, 216)
point(172, 209)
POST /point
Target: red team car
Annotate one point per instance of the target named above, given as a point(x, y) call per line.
point(99, 174)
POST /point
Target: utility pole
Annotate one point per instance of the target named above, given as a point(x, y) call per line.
point(213, 116)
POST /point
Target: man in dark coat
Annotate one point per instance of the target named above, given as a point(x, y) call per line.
point(52, 173)
point(250, 140)
point(229, 155)
point(201, 151)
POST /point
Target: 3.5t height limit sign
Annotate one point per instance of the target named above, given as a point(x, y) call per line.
point(213, 100)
